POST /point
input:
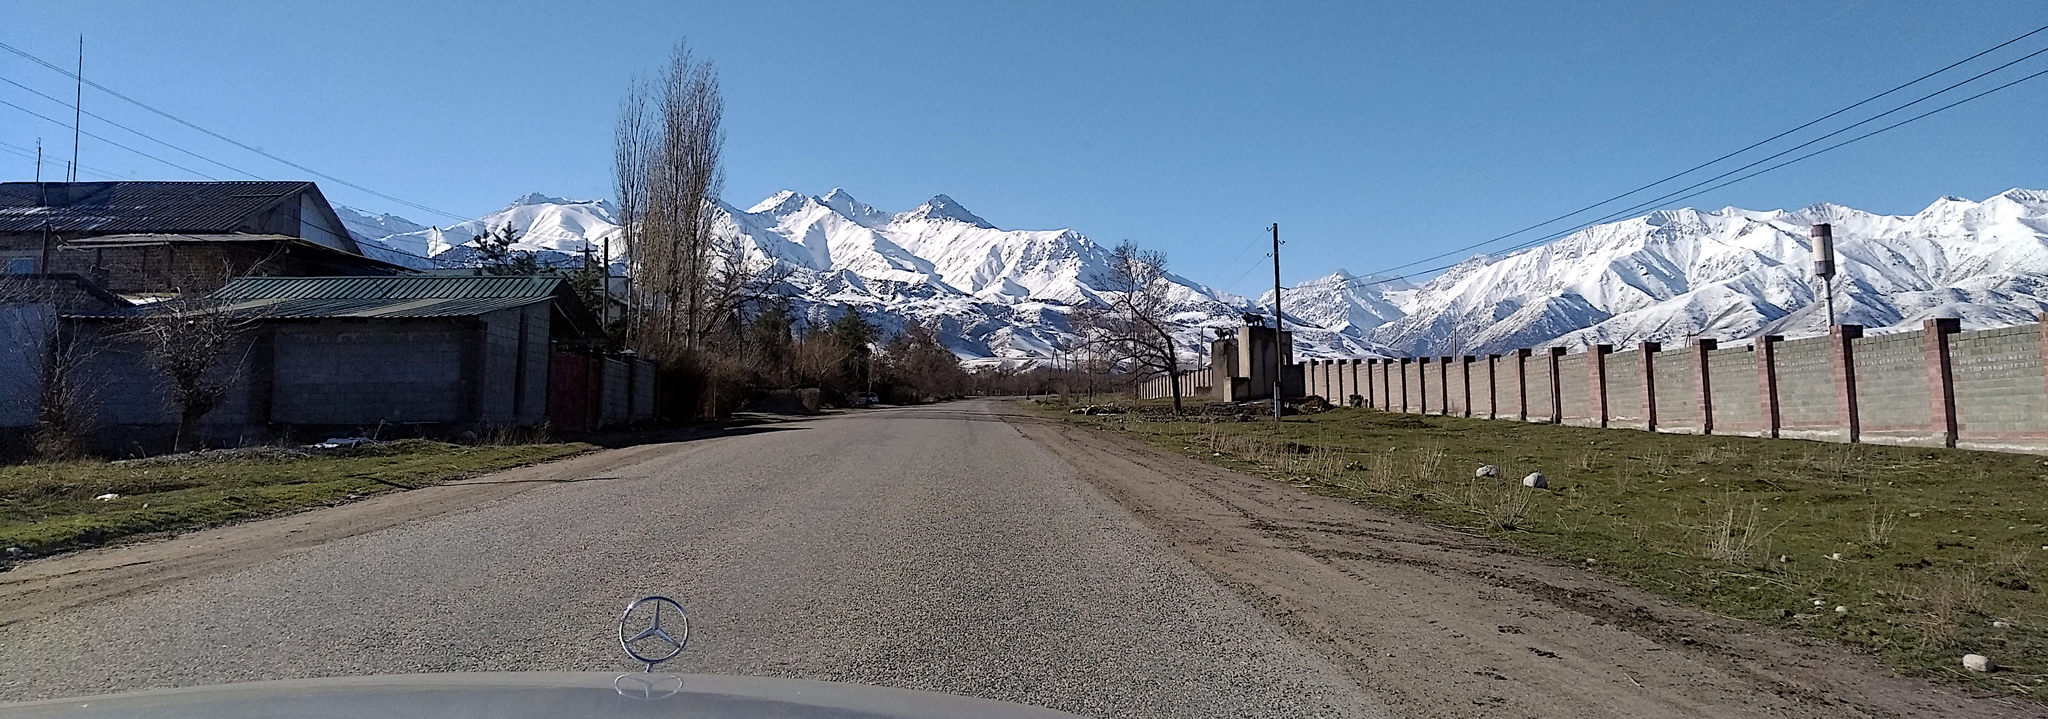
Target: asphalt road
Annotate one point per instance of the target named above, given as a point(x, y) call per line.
point(928, 548)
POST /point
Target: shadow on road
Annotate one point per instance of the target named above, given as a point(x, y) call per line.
point(673, 434)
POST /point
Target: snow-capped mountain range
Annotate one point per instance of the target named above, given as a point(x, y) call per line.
point(1003, 296)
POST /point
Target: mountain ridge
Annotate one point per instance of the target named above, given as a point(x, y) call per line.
point(1003, 296)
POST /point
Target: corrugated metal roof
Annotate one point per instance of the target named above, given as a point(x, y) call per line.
point(403, 296)
point(118, 207)
point(388, 288)
point(312, 308)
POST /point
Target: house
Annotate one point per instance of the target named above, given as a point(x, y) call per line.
point(139, 238)
point(413, 355)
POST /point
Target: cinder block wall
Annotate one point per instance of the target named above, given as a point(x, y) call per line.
point(1575, 396)
point(1892, 401)
point(1733, 391)
point(1933, 387)
point(1676, 376)
point(1626, 407)
point(1507, 387)
point(1808, 396)
point(347, 372)
point(1538, 394)
point(2001, 399)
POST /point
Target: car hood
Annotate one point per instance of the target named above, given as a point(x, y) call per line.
point(523, 695)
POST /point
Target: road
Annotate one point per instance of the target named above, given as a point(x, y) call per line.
point(933, 548)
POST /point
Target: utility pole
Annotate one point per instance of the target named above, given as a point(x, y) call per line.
point(1824, 263)
point(77, 109)
point(1278, 355)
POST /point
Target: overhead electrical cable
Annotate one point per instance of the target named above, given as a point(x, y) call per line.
point(1703, 165)
point(224, 138)
point(1373, 280)
point(110, 142)
point(138, 133)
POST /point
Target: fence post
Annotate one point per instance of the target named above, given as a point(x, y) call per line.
point(1845, 377)
point(1767, 382)
point(1465, 370)
point(1941, 378)
point(1522, 384)
point(1556, 387)
point(1405, 361)
point(1700, 348)
point(1596, 394)
point(1649, 351)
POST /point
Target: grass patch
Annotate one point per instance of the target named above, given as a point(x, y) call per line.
point(49, 508)
point(1932, 553)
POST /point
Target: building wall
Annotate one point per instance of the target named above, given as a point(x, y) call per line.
point(338, 372)
point(2001, 392)
point(1892, 400)
point(515, 365)
point(25, 331)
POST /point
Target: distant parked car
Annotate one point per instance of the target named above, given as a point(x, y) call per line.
point(863, 399)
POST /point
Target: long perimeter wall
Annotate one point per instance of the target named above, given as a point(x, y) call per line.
point(1937, 386)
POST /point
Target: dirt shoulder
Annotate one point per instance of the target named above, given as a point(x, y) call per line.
point(1443, 623)
point(42, 586)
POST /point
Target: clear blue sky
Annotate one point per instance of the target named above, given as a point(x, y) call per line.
point(1374, 132)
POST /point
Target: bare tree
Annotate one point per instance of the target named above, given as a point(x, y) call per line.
point(1133, 327)
point(669, 143)
point(185, 339)
point(43, 376)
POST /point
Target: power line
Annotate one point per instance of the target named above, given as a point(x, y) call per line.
point(131, 130)
point(1745, 149)
point(1567, 233)
point(1762, 142)
point(111, 142)
point(223, 138)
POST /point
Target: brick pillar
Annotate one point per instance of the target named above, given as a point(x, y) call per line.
point(1372, 398)
point(1596, 390)
point(1404, 382)
point(1845, 377)
point(1700, 348)
point(1649, 363)
point(1422, 385)
point(1767, 382)
point(1941, 378)
point(1443, 386)
point(1556, 388)
point(1465, 369)
point(1522, 384)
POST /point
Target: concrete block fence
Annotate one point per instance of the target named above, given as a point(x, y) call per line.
point(1936, 386)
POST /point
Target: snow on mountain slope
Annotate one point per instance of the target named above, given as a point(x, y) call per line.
point(1728, 274)
point(1003, 296)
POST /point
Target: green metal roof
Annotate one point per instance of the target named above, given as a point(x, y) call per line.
point(402, 287)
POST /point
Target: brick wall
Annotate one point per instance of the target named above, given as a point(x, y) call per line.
point(1538, 393)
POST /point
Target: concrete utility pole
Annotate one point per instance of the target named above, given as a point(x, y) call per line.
point(1278, 355)
point(77, 110)
point(1824, 263)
